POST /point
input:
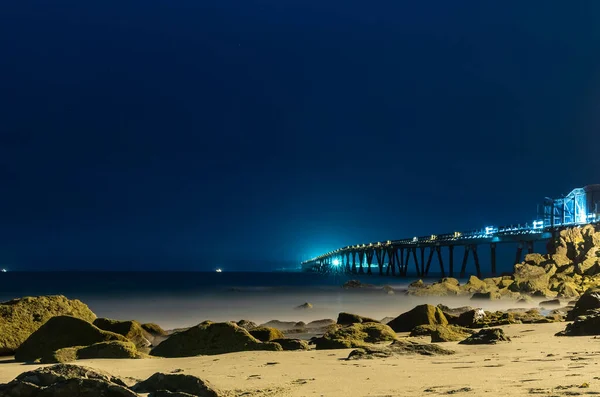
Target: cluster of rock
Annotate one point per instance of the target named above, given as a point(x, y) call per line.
point(72, 380)
point(585, 315)
point(571, 266)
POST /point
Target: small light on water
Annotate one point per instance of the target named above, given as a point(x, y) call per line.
point(4, 270)
point(219, 270)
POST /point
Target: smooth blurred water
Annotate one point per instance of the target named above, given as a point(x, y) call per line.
point(179, 299)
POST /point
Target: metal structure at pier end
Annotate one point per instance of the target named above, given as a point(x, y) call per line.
point(580, 207)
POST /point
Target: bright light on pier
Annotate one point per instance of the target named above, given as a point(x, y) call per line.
point(335, 262)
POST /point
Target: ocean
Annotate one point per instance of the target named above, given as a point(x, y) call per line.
point(181, 299)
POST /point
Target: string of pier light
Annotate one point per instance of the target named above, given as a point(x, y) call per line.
point(536, 227)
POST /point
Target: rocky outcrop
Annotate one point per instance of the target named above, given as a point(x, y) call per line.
point(132, 330)
point(588, 324)
point(420, 315)
point(112, 349)
point(176, 383)
point(486, 336)
point(60, 332)
point(349, 318)
point(284, 325)
point(66, 380)
point(442, 333)
point(590, 300)
point(266, 334)
point(354, 335)
point(19, 318)
point(445, 287)
point(246, 324)
point(292, 344)
point(305, 306)
point(356, 284)
point(398, 347)
point(211, 338)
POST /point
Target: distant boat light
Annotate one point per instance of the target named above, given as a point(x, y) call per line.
point(218, 270)
point(4, 270)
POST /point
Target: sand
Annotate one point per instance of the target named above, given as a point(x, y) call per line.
point(535, 363)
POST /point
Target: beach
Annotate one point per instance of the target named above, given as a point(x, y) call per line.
point(535, 362)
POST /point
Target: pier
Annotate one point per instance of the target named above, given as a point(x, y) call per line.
point(395, 257)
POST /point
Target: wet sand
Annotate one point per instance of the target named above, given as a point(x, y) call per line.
point(535, 363)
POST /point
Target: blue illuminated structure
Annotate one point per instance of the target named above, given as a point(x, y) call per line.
point(580, 207)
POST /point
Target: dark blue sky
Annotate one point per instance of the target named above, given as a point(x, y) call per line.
point(213, 131)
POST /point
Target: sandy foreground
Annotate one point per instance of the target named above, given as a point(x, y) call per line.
point(535, 363)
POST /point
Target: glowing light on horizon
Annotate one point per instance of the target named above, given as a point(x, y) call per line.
point(219, 270)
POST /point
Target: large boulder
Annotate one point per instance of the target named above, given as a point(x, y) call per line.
point(349, 318)
point(354, 335)
point(19, 318)
point(471, 318)
point(530, 278)
point(60, 332)
point(445, 287)
point(266, 334)
point(588, 324)
point(65, 380)
point(398, 347)
point(112, 349)
point(292, 344)
point(176, 383)
point(590, 263)
point(486, 336)
point(210, 338)
point(590, 300)
point(132, 330)
point(420, 315)
point(441, 333)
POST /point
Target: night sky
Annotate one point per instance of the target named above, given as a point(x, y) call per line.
point(179, 134)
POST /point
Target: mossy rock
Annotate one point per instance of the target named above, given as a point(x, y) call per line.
point(292, 344)
point(441, 333)
point(60, 332)
point(176, 385)
point(154, 329)
point(420, 315)
point(19, 318)
point(398, 347)
point(112, 349)
point(266, 334)
point(486, 336)
point(349, 318)
point(355, 335)
point(211, 338)
point(132, 330)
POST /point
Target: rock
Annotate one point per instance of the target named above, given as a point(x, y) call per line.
point(553, 302)
point(441, 333)
point(590, 300)
point(486, 336)
point(354, 335)
point(446, 287)
point(588, 324)
point(283, 325)
point(246, 324)
point(210, 338)
point(420, 315)
point(529, 278)
point(486, 296)
point(266, 334)
point(449, 333)
point(349, 318)
point(292, 344)
point(567, 289)
point(112, 349)
point(474, 284)
point(505, 283)
point(471, 318)
point(562, 262)
point(60, 332)
point(320, 324)
point(399, 347)
point(417, 284)
point(19, 318)
point(132, 330)
point(535, 259)
point(356, 284)
point(176, 383)
point(64, 380)
point(589, 264)
point(525, 299)
point(154, 329)
point(166, 393)
point(388, 290)
point(305, 306)
point(457, 311)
